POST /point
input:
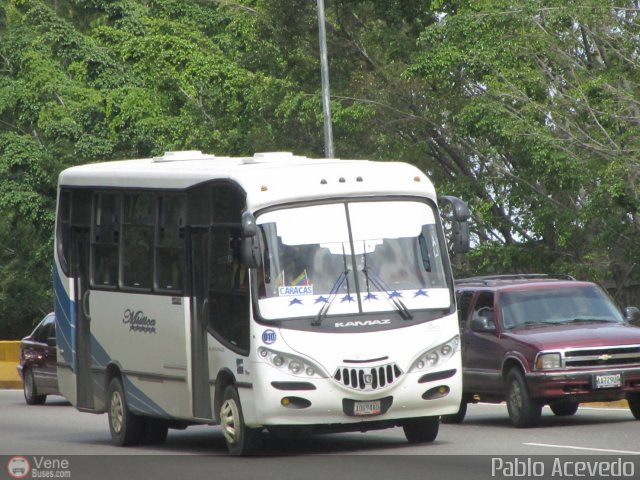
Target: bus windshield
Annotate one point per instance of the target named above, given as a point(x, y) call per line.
point(349, 258)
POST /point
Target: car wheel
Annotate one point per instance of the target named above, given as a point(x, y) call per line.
point(456, 417)
point(30, 390)
point(126, 427)
point(524, 411)
point(240, 439)
point(634, 404)
point(564, 409)
point(421, 430)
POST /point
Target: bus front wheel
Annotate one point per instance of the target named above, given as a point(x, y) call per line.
point(240, 439)
point(421, 430)
point(126, 428)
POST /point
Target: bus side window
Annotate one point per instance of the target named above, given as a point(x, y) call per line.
point(106, 237)
point(137, 241)
point(170, 247)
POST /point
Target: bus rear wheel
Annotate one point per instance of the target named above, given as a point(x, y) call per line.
point(240, 439)
point(126, 428)
point(421, 430)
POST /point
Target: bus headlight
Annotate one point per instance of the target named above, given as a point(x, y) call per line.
point(436, 356)
point(291, 363)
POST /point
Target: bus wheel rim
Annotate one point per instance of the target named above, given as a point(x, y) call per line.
point(116, 412)
point(229, 419)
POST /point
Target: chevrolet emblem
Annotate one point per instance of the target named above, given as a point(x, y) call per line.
point(605, 357)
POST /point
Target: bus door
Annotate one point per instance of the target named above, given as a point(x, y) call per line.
point(200, 265)
point(80, 255)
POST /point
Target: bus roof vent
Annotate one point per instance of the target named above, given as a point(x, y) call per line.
point(269, 157)
point(183, 155)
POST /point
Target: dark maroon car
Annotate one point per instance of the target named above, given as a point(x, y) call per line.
point(534, 340)
point(37, 366)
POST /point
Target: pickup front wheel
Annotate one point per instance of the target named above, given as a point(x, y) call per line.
point(634, 404)
point(524, 411)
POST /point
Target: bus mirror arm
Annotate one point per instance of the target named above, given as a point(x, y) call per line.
point(250, 248)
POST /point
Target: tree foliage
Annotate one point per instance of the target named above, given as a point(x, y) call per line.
point(528, 110)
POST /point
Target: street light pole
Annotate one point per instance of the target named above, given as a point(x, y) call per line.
point(324, 71)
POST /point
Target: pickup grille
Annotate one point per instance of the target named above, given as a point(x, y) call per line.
point(368, 378)
point(602, 357)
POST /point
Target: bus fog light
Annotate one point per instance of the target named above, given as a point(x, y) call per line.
point(436, 392)
point(295, 402)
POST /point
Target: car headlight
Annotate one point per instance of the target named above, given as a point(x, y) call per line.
point(548, 361)
point(436, 356)
point(291, 363)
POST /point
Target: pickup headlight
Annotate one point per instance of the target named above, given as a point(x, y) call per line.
point(548, 361)
point(291, 364)
point(436, 356)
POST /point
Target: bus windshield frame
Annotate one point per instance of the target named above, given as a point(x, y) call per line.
point(352, 257)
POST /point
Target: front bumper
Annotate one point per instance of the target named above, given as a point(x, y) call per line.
point(328, 403)
point(581, 385)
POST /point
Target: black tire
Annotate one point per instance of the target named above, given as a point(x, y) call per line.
point(524, 411)
point(421, 430)
point(240, 439)
point(126, 428)
point(156, 431)
point(564, 409)
point(30, 391)
point(458, 417)
point(634, 404)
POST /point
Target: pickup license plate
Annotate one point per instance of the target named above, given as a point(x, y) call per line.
point(609, 380)
point(367, 408)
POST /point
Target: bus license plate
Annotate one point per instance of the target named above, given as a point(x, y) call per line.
point(608, 381)
point(367, 408)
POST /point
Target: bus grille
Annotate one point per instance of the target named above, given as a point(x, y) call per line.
point(368, 378)
point(598, 357)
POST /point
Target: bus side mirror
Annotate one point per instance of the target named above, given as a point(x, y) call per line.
point(250, 248)
point(460, 241)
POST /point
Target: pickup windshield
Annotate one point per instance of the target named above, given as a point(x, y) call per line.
point(545, 306)
point(348, 258)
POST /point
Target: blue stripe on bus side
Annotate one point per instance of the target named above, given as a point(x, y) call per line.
point(65, 320)
point(65, 338)
point(140, 402)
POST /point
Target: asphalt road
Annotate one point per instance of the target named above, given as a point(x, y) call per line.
point(481, 447)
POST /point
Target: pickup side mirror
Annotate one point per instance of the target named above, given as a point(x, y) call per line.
point(460, 240)
point(483, 321)
point(632, 315)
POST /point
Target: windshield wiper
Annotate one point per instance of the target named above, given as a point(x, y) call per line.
point(587, 319)
point(393, 299)
point(535, 323)
point(322, 313)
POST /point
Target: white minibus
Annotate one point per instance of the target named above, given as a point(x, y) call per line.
point(271, 295)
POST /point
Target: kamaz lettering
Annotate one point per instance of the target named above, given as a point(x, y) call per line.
point(362, 323)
